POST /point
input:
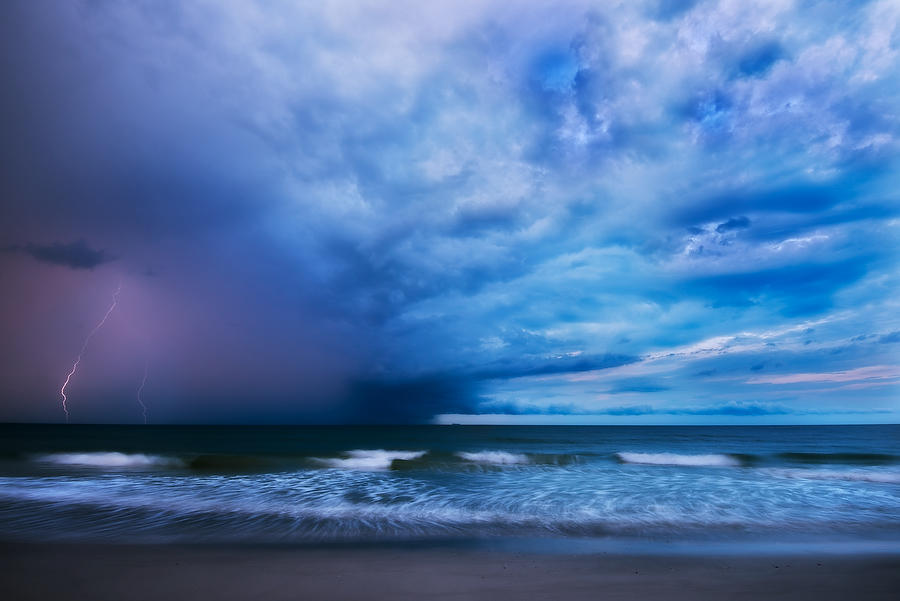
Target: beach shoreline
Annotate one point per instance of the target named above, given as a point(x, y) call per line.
point(63, 571)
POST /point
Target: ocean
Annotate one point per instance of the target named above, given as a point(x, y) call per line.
point(332, 484)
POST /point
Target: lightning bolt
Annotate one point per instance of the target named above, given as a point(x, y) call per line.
point(62, 391)
point(140, 392)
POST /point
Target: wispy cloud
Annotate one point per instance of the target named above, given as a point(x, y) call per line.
point(875, 372)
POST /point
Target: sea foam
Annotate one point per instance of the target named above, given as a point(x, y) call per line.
point(110, 459)
point(369, 459)
point(880, 476)
point(495, 457)
point(712, 460)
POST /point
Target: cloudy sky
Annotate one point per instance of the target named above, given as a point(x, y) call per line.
point(517, 212)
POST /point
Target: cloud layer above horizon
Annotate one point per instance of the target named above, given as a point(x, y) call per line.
point(642, 212)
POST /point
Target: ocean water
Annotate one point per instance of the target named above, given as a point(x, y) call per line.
point(437, 483)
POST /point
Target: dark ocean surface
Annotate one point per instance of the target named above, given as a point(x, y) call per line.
point(313, 484)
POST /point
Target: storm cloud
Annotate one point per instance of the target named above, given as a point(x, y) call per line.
point(391, 212)
point(75, 255)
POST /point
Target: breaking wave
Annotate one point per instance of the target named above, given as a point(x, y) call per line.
point(495, 457)
point(712, 460)
point(111, 459)
point(367, 502)
point(335, 483)
point(369, 459)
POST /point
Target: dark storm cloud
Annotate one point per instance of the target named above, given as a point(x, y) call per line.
point(139, 151)
point(75, 255)
point(403, 401)
point(395, 399)
point(477, 194)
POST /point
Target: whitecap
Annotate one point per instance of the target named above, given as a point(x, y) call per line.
point(369, 459)
point(495, 457)
point(110, 459)
point(711, 460)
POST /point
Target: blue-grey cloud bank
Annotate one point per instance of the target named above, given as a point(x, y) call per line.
point(535, 212)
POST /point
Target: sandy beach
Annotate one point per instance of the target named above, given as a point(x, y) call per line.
point(148, 572)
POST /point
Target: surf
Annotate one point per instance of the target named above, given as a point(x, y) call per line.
point(707, 460)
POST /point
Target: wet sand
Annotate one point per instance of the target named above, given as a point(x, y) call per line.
point(63, 571)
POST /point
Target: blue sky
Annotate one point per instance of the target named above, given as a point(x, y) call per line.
point(578, 212)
